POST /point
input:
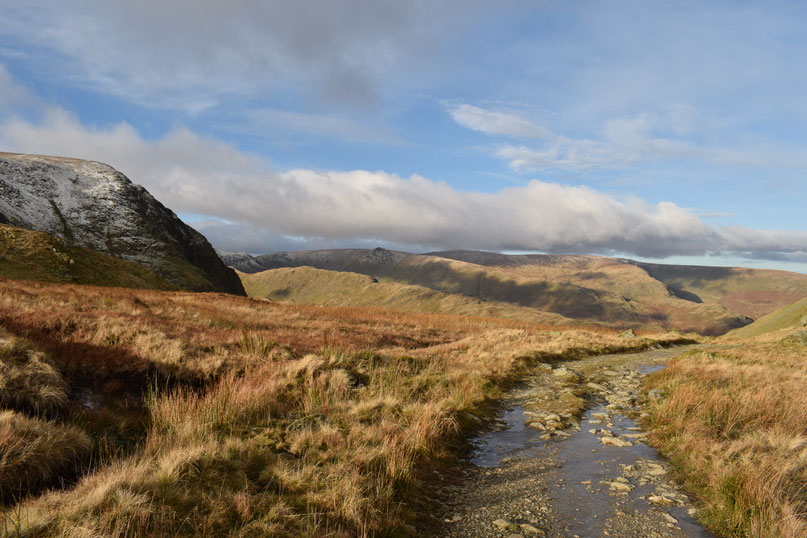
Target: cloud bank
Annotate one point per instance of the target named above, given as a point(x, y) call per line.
point(261, 209)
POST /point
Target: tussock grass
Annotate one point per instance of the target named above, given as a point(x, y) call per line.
point(278, 420)
point(734, 421)
point(28, 378)
point(33, 452)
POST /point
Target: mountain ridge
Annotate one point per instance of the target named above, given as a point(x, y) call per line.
point(620, 292)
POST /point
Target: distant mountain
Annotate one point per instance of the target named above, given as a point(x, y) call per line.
point(92, 205)
point(619, 292)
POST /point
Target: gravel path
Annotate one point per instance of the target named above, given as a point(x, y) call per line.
point(547, 470)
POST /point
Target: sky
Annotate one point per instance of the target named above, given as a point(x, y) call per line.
point(665, 131)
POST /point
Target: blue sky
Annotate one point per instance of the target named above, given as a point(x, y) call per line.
point(672, 131)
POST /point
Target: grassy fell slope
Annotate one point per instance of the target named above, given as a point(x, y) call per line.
point(256, 418)
point(732, 420)
point(334, 288)
point(752, 292)
point(26, 254)
point(775, 324)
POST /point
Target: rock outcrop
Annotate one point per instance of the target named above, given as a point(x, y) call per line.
point(92, 205)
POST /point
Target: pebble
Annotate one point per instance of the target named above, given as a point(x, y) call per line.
point(654, 469)
point(502, 523)
point(615, 441)
point(529, 529)
point(621, 487)
point(660, 500)
point(669, 518)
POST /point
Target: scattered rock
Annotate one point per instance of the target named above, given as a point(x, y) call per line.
point(660, 500)
point(654, 469)
point(529, 529)
point(501, 524)
point(615, 441)
point(621, 487)
point(567, 374)
point(627, 334)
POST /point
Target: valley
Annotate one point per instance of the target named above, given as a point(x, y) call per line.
point(149, 387)
point(575, 289)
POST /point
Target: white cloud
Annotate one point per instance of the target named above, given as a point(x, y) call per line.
point(623, 141)
point(196, 175)
point(497, 122)
point(192, 54)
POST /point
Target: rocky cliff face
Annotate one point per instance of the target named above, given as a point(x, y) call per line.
point(93, 205)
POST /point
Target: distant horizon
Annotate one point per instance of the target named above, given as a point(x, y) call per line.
point(679, 260)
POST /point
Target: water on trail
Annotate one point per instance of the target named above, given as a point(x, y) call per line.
point(584, 502)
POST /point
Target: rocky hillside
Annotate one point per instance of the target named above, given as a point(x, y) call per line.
point(709, 300)
point(92, 205)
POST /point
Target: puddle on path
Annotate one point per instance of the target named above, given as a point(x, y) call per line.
point(586, 507)
point(580, 501)
point(512, 438)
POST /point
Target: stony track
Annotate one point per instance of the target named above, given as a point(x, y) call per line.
point(549, 470)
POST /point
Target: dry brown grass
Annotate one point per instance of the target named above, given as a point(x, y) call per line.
point(734, 421)
point(33, 452)
point(266, 419)
point(28, 378)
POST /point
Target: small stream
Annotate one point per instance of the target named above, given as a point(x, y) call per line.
point(579, 498)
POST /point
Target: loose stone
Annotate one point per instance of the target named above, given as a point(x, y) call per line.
point(615, 441)
point(502, 523)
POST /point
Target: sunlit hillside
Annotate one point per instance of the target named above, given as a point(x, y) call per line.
point(609, 291)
